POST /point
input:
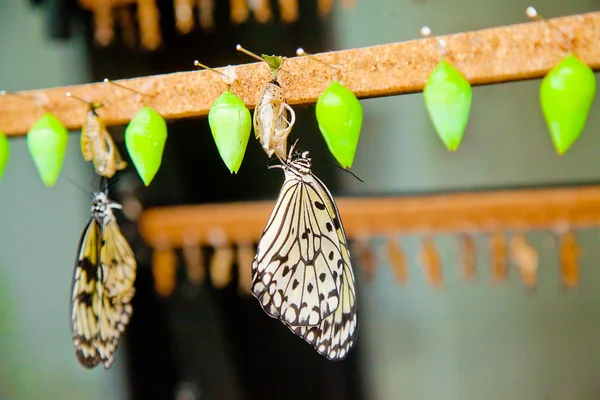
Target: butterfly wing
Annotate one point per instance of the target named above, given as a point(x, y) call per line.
point(336, 334)
point(102, 293)
point(85, 301)
point(119, 269)
point(297, 271)
point(118, 260)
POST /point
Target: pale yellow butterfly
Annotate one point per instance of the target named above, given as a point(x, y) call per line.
point(302, 274)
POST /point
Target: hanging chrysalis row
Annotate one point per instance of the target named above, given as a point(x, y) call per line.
point(338, 112)
point(145, 139)
point(566, 96)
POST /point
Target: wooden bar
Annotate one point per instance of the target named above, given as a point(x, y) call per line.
point(503, 54)
point(448, 213)
point(89, 4)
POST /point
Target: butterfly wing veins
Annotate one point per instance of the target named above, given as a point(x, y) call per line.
point(321, 255)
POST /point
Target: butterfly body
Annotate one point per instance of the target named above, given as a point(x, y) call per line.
point(273, 120)
point(102, 287)
point(97, 145)
point(302, 273)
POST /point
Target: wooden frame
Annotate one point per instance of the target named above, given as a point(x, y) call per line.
point(502, 54)
point(554, 209)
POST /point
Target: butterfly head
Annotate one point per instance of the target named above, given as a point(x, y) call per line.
point(102, 206)
point(300, 163)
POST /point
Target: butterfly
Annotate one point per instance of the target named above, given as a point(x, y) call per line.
point(97, 144)
point(301, 273)
point(102, 287)
point(270, 119)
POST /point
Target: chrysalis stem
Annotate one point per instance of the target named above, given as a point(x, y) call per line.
point(533, 15)
point(426, 32)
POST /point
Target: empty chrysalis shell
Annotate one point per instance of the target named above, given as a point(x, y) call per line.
point(230, 124)
point(145, 139)
point(47, 143)
point(340, 115)
point(448, 97)
point(566, 96)
point(4, 153)
point(273, 120)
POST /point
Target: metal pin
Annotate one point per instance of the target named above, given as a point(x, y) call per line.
point(93, 105)
point(533, 15)
point(300, 52)
point(69, 94)
point(106, 80)
point(249, 53)
point(4, 93)
point(198, 64)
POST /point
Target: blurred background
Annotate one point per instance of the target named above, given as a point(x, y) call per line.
point(469, 341)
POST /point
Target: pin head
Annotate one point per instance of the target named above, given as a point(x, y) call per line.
point(531, 13)
point(425, 31)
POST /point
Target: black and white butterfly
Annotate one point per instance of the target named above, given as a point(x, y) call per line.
point(301, 273)
point(102, 286)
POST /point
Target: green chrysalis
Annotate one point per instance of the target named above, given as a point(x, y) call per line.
point(145, 139)
point(340, 115)
point(4, 153)
point(230, 123)
point(448, 97)
point(566, 96)
point(47, 143)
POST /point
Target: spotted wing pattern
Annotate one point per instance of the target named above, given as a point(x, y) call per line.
point(302, 273)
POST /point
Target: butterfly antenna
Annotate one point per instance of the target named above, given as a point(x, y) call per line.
point(337, 166)
point(77, 185)
point(108, 184)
